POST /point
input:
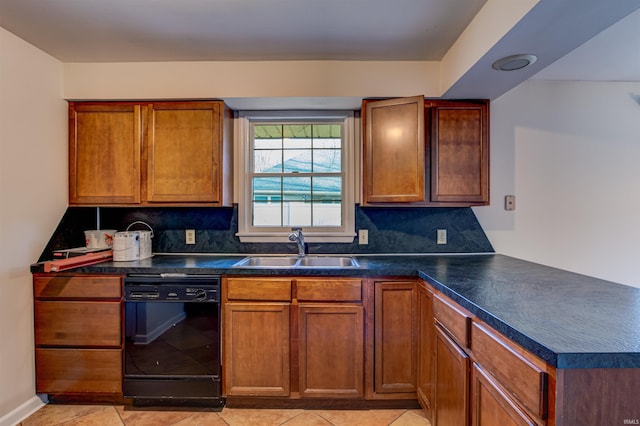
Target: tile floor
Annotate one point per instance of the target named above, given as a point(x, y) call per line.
point(118, 415)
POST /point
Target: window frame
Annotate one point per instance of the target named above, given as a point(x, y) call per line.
point(243, 148)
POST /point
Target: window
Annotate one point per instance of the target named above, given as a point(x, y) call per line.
point(297, 171)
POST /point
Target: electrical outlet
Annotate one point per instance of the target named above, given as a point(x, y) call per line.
point(363, 236)
point(441, 236)
point(190, 236)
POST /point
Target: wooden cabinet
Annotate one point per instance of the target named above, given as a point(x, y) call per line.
point(256, 336)
point(78, 334)
point(256, 349)
point(330, 337)
point(293, 337)
point(148, 153)
point(425, 152)
point(105, 143)
point(451, 382)
point(491, 405)
point(394, 151)
point(459, 152)
point(506, 385)
point(424, 384)
point(331, 348)
point(396, 336)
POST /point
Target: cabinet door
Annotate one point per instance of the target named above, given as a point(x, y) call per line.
point(104, 153)
point(492, 406)
point(395, 365)
point(451, 382)
point(78, 370)
point(256, 349)
point(331, 351)
point(460, 152)
point(394, 151)
point(184, 152)
point(77, 323)
point(425, 350)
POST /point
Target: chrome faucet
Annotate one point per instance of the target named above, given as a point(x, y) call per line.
point(297, 236)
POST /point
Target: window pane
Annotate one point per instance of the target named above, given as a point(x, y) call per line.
point(267, 131)
point(327, 143)
point(327, 189)
point(297, 160)
point(327, 161)
point(297, 131)
point(267, 201)
point(267, 161)
point(297, 201)
point(327, 131)
point(327, 214)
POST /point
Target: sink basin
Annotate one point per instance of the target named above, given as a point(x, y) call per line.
point(267, 262)
point(316, 262)
point(328, 262)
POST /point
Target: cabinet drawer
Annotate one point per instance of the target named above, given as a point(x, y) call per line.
point(78, 370)
point(520, 376)
point(77, 287)
point(69, 323)
point(268, 289)
point(329, 290)
point(455, 321)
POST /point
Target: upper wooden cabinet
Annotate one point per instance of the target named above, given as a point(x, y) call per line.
point(150, 153)
point(459, 152)
point(105, 142)
point(419, 152)
point(394, 160)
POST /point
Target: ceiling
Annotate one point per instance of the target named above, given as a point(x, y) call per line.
point(573, 39)
point(200, 30)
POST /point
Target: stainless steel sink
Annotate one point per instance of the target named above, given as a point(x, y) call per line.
point(328, 262)
point(267, 262)
point(286, 261)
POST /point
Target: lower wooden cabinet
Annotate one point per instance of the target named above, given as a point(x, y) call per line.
point(425, 349)
point(256, 349)
point(491, 405)
point(331, 350)
point(451, 382)
point(78, 334)
point(293, 337)
point(77, 371)
point(395, 341)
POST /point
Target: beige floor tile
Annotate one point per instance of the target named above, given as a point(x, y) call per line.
point(202, 419)
point(108, 416)
point(308, 418)
point(412, 418)
point(133, 416)
point(53, 414)
point(253, 417)
point(360, 417)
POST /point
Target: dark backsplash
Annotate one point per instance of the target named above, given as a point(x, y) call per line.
point(391, 230)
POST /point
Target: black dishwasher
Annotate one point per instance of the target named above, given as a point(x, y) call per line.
point(172, 340)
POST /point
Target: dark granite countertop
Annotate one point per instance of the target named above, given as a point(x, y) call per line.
point(567, 319)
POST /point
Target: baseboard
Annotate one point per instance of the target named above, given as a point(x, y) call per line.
point(23, 411)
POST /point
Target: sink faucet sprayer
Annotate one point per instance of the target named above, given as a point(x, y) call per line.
point(299, 240)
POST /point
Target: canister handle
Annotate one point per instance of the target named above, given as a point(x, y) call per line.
point(139, 222)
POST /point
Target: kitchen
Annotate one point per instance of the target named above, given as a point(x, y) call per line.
point(535, 131)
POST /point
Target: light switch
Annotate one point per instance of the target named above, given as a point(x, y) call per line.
point(509, 202)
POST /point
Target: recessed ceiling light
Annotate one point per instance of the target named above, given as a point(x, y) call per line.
point(514, 62)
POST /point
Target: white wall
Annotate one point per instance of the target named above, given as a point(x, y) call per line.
point(241, 79)
point(33, 184)
point(570, 152)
